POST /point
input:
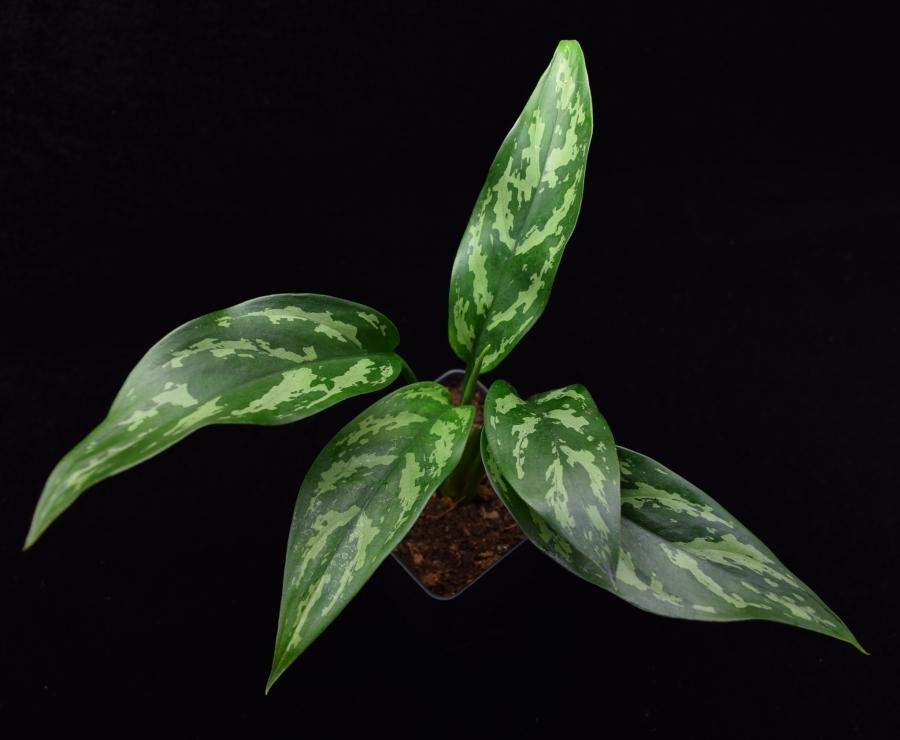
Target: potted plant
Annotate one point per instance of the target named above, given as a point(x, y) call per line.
point(611, 515)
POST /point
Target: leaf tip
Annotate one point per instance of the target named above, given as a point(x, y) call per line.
point(270, 681)
point(47, 511)
point(570, 46)
point(843, 633)
point(34, 533)
point(853, 641)
point(279, 666)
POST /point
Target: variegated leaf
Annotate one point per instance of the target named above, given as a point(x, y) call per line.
point(524, 215)
point(558, 453)
point(360, 497)
point(271, 360)
point(682, 555)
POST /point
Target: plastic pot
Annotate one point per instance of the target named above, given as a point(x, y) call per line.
point(452, 378)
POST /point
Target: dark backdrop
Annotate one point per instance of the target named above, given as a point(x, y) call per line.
point(729, 297)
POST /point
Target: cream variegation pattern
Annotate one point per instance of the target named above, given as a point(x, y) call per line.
point(524, 215)
point(360, 497)
point(682, 554)
point(271, 360)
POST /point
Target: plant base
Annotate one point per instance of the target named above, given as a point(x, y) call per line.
point(453, 544)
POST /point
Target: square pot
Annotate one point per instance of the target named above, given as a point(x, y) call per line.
point(454, 378)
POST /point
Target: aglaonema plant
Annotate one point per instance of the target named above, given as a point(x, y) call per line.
point(613, 516)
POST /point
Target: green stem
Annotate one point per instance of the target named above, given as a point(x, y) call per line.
point(407, 372)
point(473, 370)
point(462, 483)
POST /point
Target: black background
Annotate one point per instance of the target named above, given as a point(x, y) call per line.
point(729, 297)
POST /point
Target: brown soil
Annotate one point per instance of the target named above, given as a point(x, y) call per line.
point(452, 544)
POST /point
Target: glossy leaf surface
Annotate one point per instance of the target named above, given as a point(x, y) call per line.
point(362, 494)
point(524, 215)
point(558, 453)
point(683, 555)
point(271, 360)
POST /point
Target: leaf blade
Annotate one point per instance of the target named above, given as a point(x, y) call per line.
point(523, 216)
point(558, 453)
point(270, 360)
point(360, 497)
point(661, 575)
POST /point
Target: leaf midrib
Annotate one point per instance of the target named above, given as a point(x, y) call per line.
point(267, 375)
point(372, 490)
point(506, 264)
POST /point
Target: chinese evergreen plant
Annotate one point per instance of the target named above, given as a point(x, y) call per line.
point(613, 516)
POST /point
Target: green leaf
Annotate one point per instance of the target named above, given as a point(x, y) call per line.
point(524, 215)
point(359, 498)
point(683, 555)
point(271, 360)
point(558, 453)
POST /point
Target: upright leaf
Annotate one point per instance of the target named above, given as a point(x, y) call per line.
point(524, 215)
point(271, 360)
point(360, 497)
point(558, 453)
point(683, 555)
